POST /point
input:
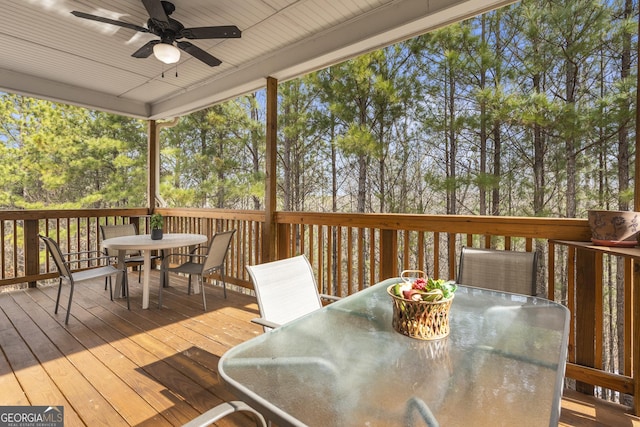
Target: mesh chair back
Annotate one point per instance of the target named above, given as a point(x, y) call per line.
point(508, 271)
point(285, 289)
point(218, 249)
point(56, 254)
point(109, 231)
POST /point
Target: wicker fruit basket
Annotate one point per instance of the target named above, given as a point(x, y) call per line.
point(423, 315)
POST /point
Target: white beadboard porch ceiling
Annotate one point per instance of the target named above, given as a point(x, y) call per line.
point(47, 53)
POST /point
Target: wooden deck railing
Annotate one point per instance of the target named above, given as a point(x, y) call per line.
point(352, 251)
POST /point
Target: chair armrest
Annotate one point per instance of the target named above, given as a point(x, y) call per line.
point(266, 323)
point(222, 410)
point(91, 259)
point(197, 248)
point(74, 257)
point(101, 255)
point(82, 253)
point(165, 260)
point(331, 298)
point(422, 409)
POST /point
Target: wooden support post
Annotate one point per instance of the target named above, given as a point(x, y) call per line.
point(453, 255)
point(635, 309)
point(153, 165)
point(636, 181)
point(635, 330)
point(32, 250)
point(389, 261)
point(269, 233)
point(585, 313)
point(284, 241)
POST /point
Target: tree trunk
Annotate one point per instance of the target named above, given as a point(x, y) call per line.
point(497, 169)
point(571, 77)
point(483, 126)
point(255, 143)
point(451, 146)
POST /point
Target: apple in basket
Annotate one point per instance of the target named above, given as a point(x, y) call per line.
point(421, 289)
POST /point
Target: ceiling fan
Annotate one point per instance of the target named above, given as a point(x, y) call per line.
point(170, 31)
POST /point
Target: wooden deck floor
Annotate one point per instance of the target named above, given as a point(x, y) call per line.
point(115, 367)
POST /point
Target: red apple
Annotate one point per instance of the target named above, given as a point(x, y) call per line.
point(412, 294)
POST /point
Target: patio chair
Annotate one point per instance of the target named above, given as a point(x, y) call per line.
point(286, 290)
point(133, 257)
point(63, 263)
point(224, 409)
point(507, 271)
point(212, 261)
point(416, 406)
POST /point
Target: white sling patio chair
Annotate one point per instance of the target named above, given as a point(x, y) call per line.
point(286, 290)
point(63, 263)
point(508, 271)
point(212, 261)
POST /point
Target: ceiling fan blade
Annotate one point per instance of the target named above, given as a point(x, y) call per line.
point(146, 50)
point(221, 32)
point(109, 21)
point(200, 54)
point(157, 13)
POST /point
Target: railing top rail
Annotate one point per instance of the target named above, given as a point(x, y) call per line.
point(534, 227)
point(30, 214)
point(246, 215)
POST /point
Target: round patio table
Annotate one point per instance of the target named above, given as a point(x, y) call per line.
point(143, 243)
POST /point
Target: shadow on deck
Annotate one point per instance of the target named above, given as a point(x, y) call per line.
point(155, 367)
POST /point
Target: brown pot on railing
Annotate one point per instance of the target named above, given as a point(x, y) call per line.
point(614, 228)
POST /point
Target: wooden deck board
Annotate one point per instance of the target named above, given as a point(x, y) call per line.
point(155, 367)
point(158, 357)
point(125, 401)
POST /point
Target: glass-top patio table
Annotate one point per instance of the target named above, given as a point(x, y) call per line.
point(344, 365)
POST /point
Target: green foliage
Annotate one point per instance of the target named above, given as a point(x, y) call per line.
point(62, 156)
point(505, 108)
point(357, 141)
point(156, 221)
point(209, 157)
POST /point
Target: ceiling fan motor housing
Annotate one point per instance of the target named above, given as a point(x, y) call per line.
point(167, 32)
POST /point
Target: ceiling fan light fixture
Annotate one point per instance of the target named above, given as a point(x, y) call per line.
point(167, 53)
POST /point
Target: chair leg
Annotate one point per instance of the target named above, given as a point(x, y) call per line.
point(126, 289)
point(189, 285)
point(204, 299)
point(58, 298)
point(164, 278)
point(125, 282)
point(160, 292)
point(66, 322)
point(224, 284)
